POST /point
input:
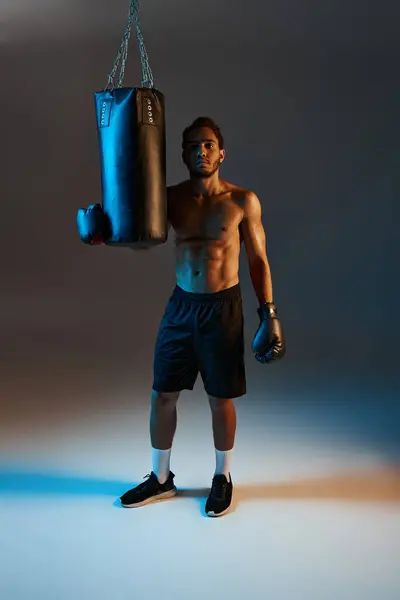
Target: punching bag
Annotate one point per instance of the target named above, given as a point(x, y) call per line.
point(132, 147)
point(132, 144)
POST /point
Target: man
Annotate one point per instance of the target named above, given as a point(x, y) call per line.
point(202, 327)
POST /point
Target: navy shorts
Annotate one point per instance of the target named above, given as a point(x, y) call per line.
point(202, 333)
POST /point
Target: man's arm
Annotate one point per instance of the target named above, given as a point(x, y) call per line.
point(255, 243)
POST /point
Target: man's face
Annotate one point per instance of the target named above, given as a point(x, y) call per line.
point(202, 154)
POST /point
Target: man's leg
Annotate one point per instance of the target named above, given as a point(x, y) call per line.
point(163, 420)
point(175, 369)
point(221, 351)
point(224, 430)
point(159, 484)
point(224, 422)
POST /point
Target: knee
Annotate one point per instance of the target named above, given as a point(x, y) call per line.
point(219, 403)
point(164, 399)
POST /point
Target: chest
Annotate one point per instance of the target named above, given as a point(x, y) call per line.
point(206, 219)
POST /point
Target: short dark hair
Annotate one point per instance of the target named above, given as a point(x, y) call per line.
point(203, 122)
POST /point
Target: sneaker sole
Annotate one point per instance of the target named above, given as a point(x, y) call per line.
point(213, 514)
point(158, 498)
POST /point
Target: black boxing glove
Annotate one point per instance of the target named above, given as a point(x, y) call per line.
point(93, 225)
point(268, 343)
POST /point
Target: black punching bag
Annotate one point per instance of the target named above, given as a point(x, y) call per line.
point(132, 143)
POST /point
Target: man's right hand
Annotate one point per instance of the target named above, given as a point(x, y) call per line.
point(93, 225)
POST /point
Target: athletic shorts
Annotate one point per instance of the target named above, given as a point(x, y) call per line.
point(201, 333)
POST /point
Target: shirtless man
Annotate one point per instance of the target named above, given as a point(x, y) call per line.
point(202, 327)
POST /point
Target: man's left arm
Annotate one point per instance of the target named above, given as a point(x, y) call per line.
point(254, 239)
point(268, 343)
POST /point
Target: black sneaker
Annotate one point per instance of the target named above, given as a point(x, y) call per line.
point(148, 491)
point(220, 498)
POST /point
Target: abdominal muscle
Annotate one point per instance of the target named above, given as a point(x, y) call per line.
point(207, 266)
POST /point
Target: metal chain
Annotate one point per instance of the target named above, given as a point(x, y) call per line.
point(122, 56)
point(147, 75)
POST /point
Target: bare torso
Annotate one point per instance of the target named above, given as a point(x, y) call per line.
point(207, 237)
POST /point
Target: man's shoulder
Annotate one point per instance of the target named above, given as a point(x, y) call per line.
point(243, 196)
point(247, 201)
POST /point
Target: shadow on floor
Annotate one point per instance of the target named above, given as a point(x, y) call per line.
point(377, 485)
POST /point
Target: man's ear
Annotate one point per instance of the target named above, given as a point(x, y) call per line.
point(222, 155)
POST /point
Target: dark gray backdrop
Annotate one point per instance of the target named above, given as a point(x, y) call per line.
point(307, 95)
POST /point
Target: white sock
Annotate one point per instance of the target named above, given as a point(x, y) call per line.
point(161, 461)
point(223, 460)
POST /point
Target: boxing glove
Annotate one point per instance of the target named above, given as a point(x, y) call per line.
point(93, 225)
point(268, 343)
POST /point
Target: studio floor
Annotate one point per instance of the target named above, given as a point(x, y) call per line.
point(315, 514)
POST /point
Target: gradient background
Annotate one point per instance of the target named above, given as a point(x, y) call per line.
point(307, 95)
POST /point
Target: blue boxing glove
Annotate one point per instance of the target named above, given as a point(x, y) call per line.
point(268, 343)
point(93, 225)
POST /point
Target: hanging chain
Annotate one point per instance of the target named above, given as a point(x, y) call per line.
point(147, 75)
point(122, 56)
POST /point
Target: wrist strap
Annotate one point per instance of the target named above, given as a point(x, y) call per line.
point(267, 310)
